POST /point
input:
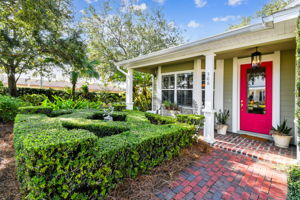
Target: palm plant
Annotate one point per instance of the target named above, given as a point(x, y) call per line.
point(282, 129)
point(222, 117)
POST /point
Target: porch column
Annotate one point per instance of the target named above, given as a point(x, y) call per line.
point(129, 90)
point(219, 87)
point(197, 93)
point(209, 112)
point(158, 89)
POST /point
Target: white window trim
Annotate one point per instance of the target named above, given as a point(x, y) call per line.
point(275, 58)
point(175, 84)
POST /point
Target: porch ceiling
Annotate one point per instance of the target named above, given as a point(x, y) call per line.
point(266, 48)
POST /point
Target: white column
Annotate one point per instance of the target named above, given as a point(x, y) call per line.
point(197, 93)
point(235, 96)
point(158, 88)
point(129, 89)
point(219, 87)
point(209, 112)
point(276, 90)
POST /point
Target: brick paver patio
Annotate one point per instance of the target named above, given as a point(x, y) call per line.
point(225, 175)
point(266, 151)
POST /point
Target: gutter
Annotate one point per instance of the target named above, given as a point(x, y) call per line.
point(263, 24)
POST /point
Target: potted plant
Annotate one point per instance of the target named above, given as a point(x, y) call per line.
point(281, 135)
point(221, 124)
point(170, 109)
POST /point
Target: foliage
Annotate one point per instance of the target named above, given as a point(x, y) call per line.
point(158, 119)
point(244, 22)
point(170, 106)
point(35, 110)
point(107, 97)
point(2, 88)
point(56, 113)
point(119, 106)
point(117, 116)
point(282, 129)
point(192, 119)
point(99, 129)
point(142, 97)
point(34, 99)
point(27, 31)
point(222, 117)
point(85, 90)
point(60, 103)
point(9, 108)
point(55, 163)
point(298, 78)
point(294, 183)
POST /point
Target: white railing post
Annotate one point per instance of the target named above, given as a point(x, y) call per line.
point(197, 88)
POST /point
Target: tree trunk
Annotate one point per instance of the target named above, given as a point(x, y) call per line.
point(12, 84)
point(73, 91)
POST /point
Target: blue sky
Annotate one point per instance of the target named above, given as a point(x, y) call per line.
point(199, 18)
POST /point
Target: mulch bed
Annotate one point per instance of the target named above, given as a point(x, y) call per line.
point(145, 186)
point(9, 188)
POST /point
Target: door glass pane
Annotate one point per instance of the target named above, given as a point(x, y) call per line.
point(256, 93)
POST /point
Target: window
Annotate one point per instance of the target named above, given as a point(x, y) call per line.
point(178, 88)
point(203, 87)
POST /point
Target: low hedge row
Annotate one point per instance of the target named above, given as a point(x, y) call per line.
point(56, 113)
point(119, 107)
point(99, 129)
point(116, 116)
point(294, 183)
point(56, 163)
point(191, 119)
point(158, 119)
point(36, 110)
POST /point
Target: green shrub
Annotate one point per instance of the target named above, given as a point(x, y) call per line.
point(35, 110)
point(294, 183)
point(9, 108)
point(34, 99)
point(56, 113)
point(191, 119)
point(119, 107)
point(158, 119)
point(69, 104)
point(56, 163)
point(116, 116)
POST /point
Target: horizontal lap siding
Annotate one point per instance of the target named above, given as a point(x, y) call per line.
point(287, 86)
point(228, 63)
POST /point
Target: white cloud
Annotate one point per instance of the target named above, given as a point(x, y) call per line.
point(82, 11)
point(200, 3)
point(235, 2)
point(226, 18)
point(90, 1)
point(141, 7)
point(159, 1)
point(193, 24)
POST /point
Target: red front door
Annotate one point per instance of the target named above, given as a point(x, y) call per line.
point(256, 98)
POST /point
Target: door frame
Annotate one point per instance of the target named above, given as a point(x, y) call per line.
point(275, 58)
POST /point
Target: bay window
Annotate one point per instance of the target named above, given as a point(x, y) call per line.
point(178, 88)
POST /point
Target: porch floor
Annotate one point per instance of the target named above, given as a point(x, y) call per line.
point(266, 151)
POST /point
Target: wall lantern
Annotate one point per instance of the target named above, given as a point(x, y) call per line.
point(256, 59)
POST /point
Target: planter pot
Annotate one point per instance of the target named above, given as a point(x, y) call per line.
point(170, 113)
point(282, 141)
point(222, 129)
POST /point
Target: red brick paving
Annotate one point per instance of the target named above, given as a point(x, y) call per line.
point(266, 151)
point(225, 175)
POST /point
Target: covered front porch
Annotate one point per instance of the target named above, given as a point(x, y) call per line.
point(215, 74)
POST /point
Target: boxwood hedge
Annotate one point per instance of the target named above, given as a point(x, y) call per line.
point(158, 119)
point(294, 183)
point(117, 116)
point(35, 110)
point(191, 119)
point(56, 163)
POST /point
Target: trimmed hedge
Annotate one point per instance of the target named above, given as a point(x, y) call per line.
point(158, 119)
point(294, 183)
point(116, 116)
point(56, 113)
point(56, 163)
point(100, 129)
point(35, 110)
point(9, 108)
point(119, 107)
point(191, 119)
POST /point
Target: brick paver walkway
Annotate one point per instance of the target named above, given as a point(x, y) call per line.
point(225, 175)
point(266, 151)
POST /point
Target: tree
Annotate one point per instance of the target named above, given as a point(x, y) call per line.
point(26, 27)
point(126, 30)
point(267, 10)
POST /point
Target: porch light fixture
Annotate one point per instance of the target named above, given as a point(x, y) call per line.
point(256, 59)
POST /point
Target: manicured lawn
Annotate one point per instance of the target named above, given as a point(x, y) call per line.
point(74, 156)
